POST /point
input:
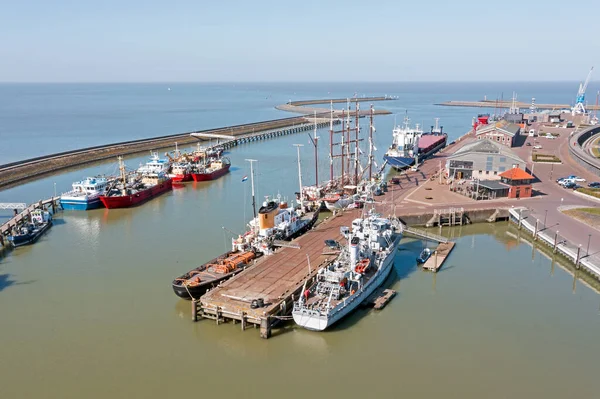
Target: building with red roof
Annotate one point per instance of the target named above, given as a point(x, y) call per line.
point(519, 182)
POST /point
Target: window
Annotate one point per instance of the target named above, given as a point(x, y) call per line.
point(502, 159)
point(480, 172)
point(502, 169)
point(487, 172)
point(495, 173)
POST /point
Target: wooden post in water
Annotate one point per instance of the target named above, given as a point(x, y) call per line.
point(536, 230)
point(555, 241)
point(265, 327)
point(435, 254)
point(520, 218)
point(578, 257)
point(1, 240)
point(243, 318)
point(194, 310)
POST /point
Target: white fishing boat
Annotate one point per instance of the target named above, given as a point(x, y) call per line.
point(362, 266)
point(155, 166)
point(85, 194)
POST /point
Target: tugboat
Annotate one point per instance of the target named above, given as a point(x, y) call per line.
point(361, 267)
point(425, 254)
point(276, 221)
point(85, 194)
point(41, 221)
point(195, 283)
point(135, 189)
point(211, 170)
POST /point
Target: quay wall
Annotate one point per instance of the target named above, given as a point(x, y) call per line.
point(480, 215)
point(577, 149)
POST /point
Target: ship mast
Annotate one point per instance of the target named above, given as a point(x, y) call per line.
point(331, 142)
point(300, 175)
point(315, 142)
point(122, 169)
point(356, 149)
point(252, 184)
point(371, 127)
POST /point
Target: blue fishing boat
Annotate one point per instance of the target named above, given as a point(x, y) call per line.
point(41, 221)
point(85, 194)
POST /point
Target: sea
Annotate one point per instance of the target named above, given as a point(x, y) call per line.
point(88, 311)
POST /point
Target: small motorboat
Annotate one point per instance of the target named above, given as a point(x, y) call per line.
point(425, 254)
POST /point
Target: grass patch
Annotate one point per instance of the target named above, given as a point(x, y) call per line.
point(593, 211)
point(544, 158)
point(594, 192)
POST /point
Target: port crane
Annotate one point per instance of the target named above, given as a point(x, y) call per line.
point(579, 107)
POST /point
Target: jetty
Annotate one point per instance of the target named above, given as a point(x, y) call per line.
point(507, 104)
point(274, 281)
point(437, 259)
point(24, 216)
point(33, 168)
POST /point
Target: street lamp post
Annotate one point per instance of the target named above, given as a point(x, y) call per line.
point(587, 251)
point(545, 216)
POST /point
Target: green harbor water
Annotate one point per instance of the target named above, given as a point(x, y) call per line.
point(79, 320)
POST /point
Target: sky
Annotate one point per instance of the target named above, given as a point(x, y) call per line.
point(327, 40)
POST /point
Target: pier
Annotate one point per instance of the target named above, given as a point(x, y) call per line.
point(21, 217)
point(275, 281)
point(437, 259)
point(507, 104)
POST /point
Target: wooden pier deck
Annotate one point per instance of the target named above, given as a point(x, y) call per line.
point(22, 216)
point(437, 259)
point(276, 279)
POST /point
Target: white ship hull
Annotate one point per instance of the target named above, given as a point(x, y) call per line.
point(317, 321)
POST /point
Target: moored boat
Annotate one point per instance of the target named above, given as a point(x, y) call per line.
point(41, 221)
point(85, 194)
point(362, 266)
point(135, 189)
point(425, 254)
point(195, 283)
point(181, 172)
point(211, 170)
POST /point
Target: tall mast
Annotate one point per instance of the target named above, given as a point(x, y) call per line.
point(356, 143)
point(122, 170)
point(300, 175)
point(371, 127)
point(331, 142)
point(348, 138)
point(342, 146)
point(316, 143)
point(252, 182)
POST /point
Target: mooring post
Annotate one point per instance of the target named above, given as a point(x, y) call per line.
point(555, 241)
point(577, 260)
point(243, 318)
point(435, 254)
point(520, 217)
point(194, 310)
point(265, 327)
point(536, 230)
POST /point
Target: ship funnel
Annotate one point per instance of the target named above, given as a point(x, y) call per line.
point(353, 251)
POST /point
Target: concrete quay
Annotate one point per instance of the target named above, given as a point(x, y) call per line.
point(506, 104)
point(300, 107)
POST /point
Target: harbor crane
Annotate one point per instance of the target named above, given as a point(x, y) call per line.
point(579, 107)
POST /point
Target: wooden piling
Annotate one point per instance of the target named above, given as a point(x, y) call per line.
point(265, 327)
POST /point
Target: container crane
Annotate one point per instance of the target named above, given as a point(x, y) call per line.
point(579, 108)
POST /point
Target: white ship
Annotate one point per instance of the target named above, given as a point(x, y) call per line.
point(362, 266)
point(405, 145)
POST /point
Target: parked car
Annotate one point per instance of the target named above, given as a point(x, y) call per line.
point(566, 182)
point(537, 147)
point(595, 184)
point(569, 184)
point(576, 178)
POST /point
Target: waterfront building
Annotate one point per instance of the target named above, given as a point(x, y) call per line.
point(483, 159)
point(503, 132)
point(519, 183)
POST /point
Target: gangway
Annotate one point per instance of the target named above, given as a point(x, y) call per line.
point(418, 233)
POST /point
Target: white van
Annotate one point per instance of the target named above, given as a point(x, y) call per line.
point(532, 133)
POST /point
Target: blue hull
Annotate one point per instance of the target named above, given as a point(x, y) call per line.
point(399, 162)
point(71, 205)
point(30, 238)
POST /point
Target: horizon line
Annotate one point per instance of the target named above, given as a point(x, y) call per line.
point(286, 81)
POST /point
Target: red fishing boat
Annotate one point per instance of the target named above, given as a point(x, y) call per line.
point(135, 189)
point(181, 172)
point(211, 170)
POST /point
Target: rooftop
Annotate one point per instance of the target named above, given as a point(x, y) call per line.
point(491, 184)
point(506, 127)
point(516, 174)
point(486, 146)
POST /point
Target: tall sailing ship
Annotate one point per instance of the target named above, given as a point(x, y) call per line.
point(362, 266)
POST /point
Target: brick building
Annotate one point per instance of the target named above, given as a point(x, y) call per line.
point(519, 183)
point(502, 132)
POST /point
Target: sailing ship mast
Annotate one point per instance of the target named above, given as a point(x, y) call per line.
point(300, 175)
point(252, 184)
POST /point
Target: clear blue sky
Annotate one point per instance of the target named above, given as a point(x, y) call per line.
point(221, 40)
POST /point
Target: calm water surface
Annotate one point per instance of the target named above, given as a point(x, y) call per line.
point(88, 311)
